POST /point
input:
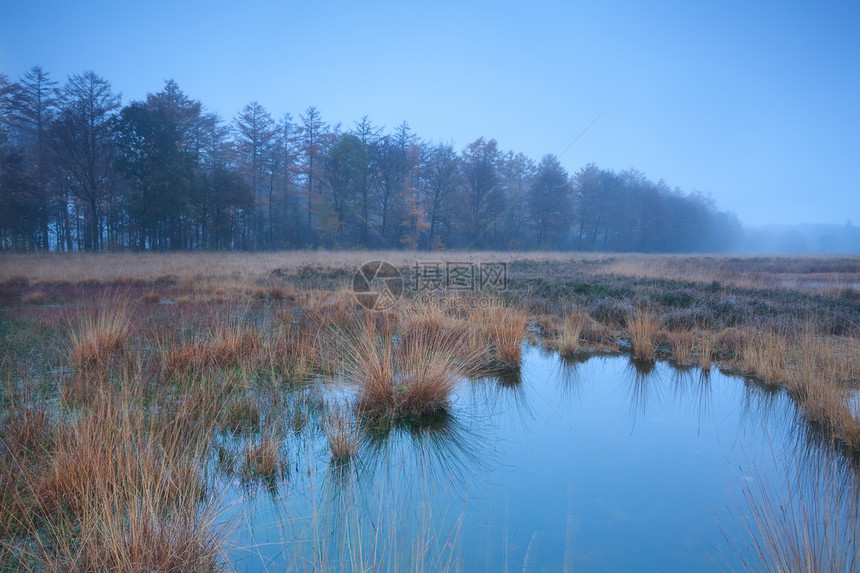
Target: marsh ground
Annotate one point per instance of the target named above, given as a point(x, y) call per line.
point(130, 380)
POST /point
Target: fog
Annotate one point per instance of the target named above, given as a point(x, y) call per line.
point(748, 111)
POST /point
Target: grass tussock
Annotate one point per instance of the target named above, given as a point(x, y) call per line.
point(151, 297)
point(242, 415)
point(705, 349)
point(643, 327)
point(571, 331)
point(116, 492)
point(764, 355)
point(683, 344)
point(504, 330)
point(25, 444)
point(98, 336)
point(342, 435)
point(263, 457)
point(410, 375)
point(295, 351)
point(227, 346)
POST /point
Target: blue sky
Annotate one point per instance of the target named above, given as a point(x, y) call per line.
point(754, 103)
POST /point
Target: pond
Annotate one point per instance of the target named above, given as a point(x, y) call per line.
point(582, 464)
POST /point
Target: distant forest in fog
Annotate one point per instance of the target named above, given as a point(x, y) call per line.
point(80, 171)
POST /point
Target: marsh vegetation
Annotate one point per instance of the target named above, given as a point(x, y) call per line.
point(204, 412)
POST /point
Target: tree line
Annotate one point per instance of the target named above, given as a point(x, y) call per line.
point(80, 171)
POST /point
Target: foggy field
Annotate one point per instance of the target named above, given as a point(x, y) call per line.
point(817, 273)
point(156, 408)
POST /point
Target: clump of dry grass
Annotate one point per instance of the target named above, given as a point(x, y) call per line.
point(233, 345)
point(295, 350)
point(643, 327)
point(242, 415)
point(151, 297)
point(342, 435)
point(411, 375)
point(764, 355)
point(228, 345)
point(427, 374)
point(263, 458)
point(119, 492)
point(705, 347)
point(28, 430)
point(98, 336)
point(683, 343)
point(596, 333)
point(504, 329)
point(370, 364)
point(277, 292)
point(568, 339)
point(729, 343)
point(26, 436)
point(329, 308)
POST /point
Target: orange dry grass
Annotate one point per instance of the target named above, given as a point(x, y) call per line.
point(343, 436)
point(227, 346)
point(121, 493)
point(705, 346)
point(263, 458)
point(643, 327)
point(370, 364)
point(764, 355)
point(410, 375)
point(816, 371)
point(295, 350)
point(427, 374)
point(27, 437)
point(683, 344)
point(568, 340)
point(98, 336)
point(504, 328)
point(328, 307)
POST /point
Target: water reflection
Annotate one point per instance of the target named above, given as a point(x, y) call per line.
point(644, 387)
point(570, 382)
point(692, 389)
point(491, 397)
point(445, 447)
point(503, 468)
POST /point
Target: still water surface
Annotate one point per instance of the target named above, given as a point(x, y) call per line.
point(598, 464)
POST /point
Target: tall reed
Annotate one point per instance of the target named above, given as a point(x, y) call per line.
point(801, 530)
